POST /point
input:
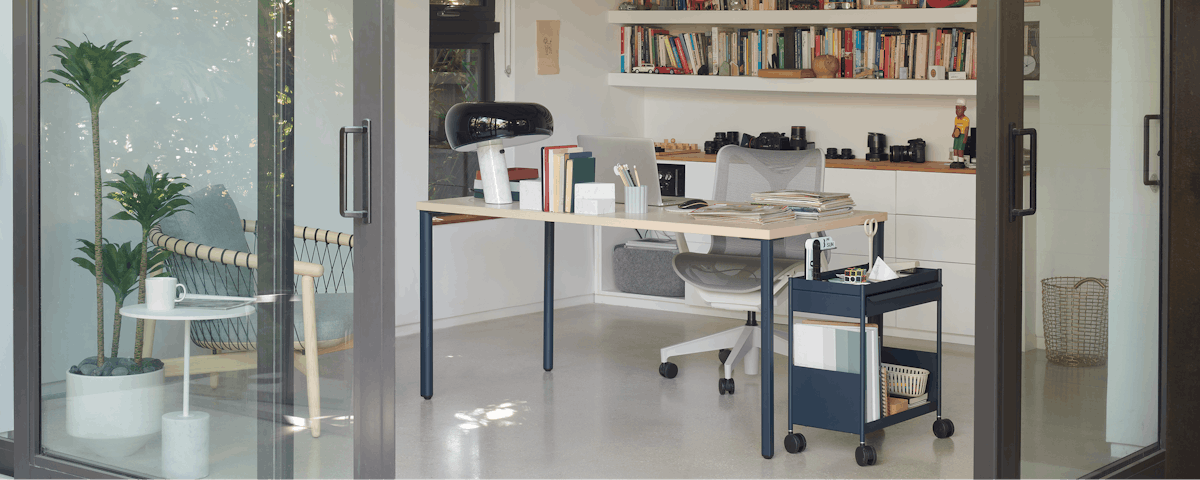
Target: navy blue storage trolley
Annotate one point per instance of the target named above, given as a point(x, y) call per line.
point(836, 400)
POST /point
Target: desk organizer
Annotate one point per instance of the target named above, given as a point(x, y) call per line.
point(836, 401)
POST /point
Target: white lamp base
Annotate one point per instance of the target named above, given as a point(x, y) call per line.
point(494, 172)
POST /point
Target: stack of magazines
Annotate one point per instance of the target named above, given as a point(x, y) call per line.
point(807, 204)
point(744, 213)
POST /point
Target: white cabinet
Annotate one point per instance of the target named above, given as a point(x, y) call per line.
point(931, 219)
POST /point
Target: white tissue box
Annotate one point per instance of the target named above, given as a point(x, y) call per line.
point(531, 194)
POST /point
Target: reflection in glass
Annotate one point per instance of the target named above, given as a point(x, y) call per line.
point(454, 77)
point(460, 3)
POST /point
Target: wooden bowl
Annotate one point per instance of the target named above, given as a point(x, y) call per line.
point(827, 66)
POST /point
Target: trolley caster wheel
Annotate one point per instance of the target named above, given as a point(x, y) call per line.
point(864, 455)
point(725, 385)
point(668, 370)
point(794, 443)
point(943, 428)
point(724, 354)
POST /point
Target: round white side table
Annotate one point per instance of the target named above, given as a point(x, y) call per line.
point(185, 434)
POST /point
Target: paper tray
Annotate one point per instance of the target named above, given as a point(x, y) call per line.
point(845, 300)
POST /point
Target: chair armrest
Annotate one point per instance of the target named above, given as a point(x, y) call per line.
point(309, 233)
point(223, 256)
point(681, 242)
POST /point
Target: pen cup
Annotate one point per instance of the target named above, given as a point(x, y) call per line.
point(635, 199)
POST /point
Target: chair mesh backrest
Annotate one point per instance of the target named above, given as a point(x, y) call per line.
point(212, 278)
point(743, 171)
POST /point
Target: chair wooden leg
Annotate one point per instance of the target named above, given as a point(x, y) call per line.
point(308, 296)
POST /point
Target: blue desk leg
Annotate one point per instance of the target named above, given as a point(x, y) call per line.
point(938, 392)
point(427, 304)
point(767, 365)
point(548, 303)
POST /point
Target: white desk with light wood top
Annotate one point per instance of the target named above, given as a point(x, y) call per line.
point(655, 219)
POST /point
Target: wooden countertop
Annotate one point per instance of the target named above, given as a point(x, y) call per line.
point(861, 164)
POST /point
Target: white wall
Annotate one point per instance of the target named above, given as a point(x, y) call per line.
point(1133, 231)
point(6, 210)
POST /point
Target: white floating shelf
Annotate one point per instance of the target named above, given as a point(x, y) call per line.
point(905, 16)
point(806, 85)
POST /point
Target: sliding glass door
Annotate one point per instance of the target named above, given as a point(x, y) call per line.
point(201, 238)
point(1070, 194)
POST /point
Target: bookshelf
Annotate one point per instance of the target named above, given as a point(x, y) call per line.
point(912, 17)
point(701, 21)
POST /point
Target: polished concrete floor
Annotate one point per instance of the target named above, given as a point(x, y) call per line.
point(605, 412)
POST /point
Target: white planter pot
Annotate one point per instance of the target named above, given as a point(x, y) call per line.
point(115, 416)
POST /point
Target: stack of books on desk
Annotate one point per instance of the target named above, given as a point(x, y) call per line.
point(807, 204)
point(744, 213)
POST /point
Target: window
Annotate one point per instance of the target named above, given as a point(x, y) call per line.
point(461, 69)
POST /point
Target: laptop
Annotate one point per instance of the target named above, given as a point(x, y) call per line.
point(634, 152)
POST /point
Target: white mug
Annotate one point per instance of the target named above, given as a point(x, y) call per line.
point(161, 293)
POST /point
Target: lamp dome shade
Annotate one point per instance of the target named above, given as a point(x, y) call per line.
point(472, 123)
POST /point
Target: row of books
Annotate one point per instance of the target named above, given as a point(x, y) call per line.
point(563, 167)
point(656, 47)
point(884, 52)
point(806, 204)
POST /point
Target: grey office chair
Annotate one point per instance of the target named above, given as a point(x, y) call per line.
point(727, 277)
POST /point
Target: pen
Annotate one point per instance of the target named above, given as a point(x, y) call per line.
point(637, 181)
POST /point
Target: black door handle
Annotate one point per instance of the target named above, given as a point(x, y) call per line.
point(1018, 167)
point(1146, 180)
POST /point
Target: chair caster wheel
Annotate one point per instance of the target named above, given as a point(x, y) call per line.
point(794, 442)
point(668, 370)
point(943, 428)
point(724, 354)
point(725, 385)
point(864, 455)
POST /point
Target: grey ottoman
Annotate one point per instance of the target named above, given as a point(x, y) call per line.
point(646, 272)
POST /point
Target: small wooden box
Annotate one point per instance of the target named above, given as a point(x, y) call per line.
point(896, 405)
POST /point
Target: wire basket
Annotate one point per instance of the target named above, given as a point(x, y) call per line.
point(1075, 320)
point(906, 381)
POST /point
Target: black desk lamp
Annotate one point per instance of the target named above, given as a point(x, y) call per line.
point(487, 127)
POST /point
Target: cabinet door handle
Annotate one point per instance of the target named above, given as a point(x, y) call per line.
point(1146, 178)
point(344, 154)
point(1018, 166)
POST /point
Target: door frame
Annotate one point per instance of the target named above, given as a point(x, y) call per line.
point(999, 252)
point(373, 389)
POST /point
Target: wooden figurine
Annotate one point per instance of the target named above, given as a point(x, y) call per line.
point(962, 125)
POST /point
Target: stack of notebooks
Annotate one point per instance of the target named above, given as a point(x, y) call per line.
point(831, 345)
point(515, 175)
point(562, 168)
point(744, 213)
point(807, 204)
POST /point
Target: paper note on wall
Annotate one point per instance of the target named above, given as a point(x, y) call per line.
point(547, 47)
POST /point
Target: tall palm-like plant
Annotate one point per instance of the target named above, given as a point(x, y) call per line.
point(120, 270)
point(147, 200)
point(95, 72)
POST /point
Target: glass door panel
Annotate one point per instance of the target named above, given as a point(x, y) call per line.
point(324, 103)
point(1091, 318)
